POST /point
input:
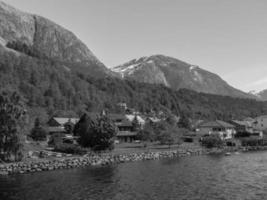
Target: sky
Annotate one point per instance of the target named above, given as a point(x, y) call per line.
point(226, 37)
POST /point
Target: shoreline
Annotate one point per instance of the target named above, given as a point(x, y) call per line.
point(40, 165)
point(91, 160)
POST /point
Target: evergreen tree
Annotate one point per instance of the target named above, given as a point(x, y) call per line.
point(147, 133)
point(12, 121)
point(135, 124)
point(69, 126)
point(38, 133)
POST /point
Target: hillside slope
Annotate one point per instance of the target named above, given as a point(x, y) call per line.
point(39, 37)
point(176, 74)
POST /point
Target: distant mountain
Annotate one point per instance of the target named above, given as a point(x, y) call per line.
point(262, 95)
point(39, 37)
point(176, 74)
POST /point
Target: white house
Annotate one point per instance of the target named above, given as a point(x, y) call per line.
point(217, 127)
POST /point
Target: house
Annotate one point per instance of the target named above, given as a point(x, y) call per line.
point(57, 124)
point(61, 121)
point(56, 130)
point(223, 129)
point(122, 105)
point(242, 126)
point(260, 123)
point(126, 136)
point(125, 128)
point(246, 128)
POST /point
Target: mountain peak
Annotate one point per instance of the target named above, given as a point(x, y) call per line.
point(176, 74)
point(44, 36)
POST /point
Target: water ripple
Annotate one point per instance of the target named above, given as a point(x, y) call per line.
point(236, 177)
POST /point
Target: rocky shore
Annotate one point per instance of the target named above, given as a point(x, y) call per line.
point(90, 160)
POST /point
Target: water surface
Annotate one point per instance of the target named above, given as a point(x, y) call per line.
point(235, 177)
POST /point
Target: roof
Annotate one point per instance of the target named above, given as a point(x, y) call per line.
point(115, 117)
point(126, 133)
point(63, 121)
point(248, 119)
point(262, 116)
point(139, 118)
point(241, 123)
point(154, 119)
point(217, 123)
point(124, 123)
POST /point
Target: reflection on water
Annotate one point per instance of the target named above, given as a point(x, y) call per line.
point(241, 176)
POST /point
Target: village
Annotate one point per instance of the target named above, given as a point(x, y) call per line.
point(105, 138)
point(232, 133)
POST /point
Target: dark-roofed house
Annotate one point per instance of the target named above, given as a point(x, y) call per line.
point(61, 121)
point(57, 124)
point(242, 126)
point(245, 129)
point(223, 129)
point(56, 130)
point(125, 128)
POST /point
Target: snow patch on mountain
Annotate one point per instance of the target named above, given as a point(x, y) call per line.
point(126, 70)
point(197, 76)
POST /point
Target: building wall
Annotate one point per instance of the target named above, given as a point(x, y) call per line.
point(224, 134)
point(261, 123)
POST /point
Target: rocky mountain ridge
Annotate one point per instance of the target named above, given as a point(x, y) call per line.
point(20, 31)
point(176, 74)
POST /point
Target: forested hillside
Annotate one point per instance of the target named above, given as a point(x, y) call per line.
point(50, 86)
point(58, 74)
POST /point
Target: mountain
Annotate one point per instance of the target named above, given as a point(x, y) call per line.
point(176, 74)
point(57, 75)
point(262, 95)
point(39, 37)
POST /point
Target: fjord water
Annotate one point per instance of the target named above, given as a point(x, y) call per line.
point(242, 176)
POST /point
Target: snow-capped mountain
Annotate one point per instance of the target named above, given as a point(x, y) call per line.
point(176, 74)
point(262, 95)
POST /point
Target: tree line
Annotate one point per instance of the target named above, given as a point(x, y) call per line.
point(52, 87)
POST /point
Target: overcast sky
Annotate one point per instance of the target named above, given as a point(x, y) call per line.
point(227, 37)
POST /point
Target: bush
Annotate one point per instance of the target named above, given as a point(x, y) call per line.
point(38, 134)
point(55, 139)
point(212, 141)
point(69, 149)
